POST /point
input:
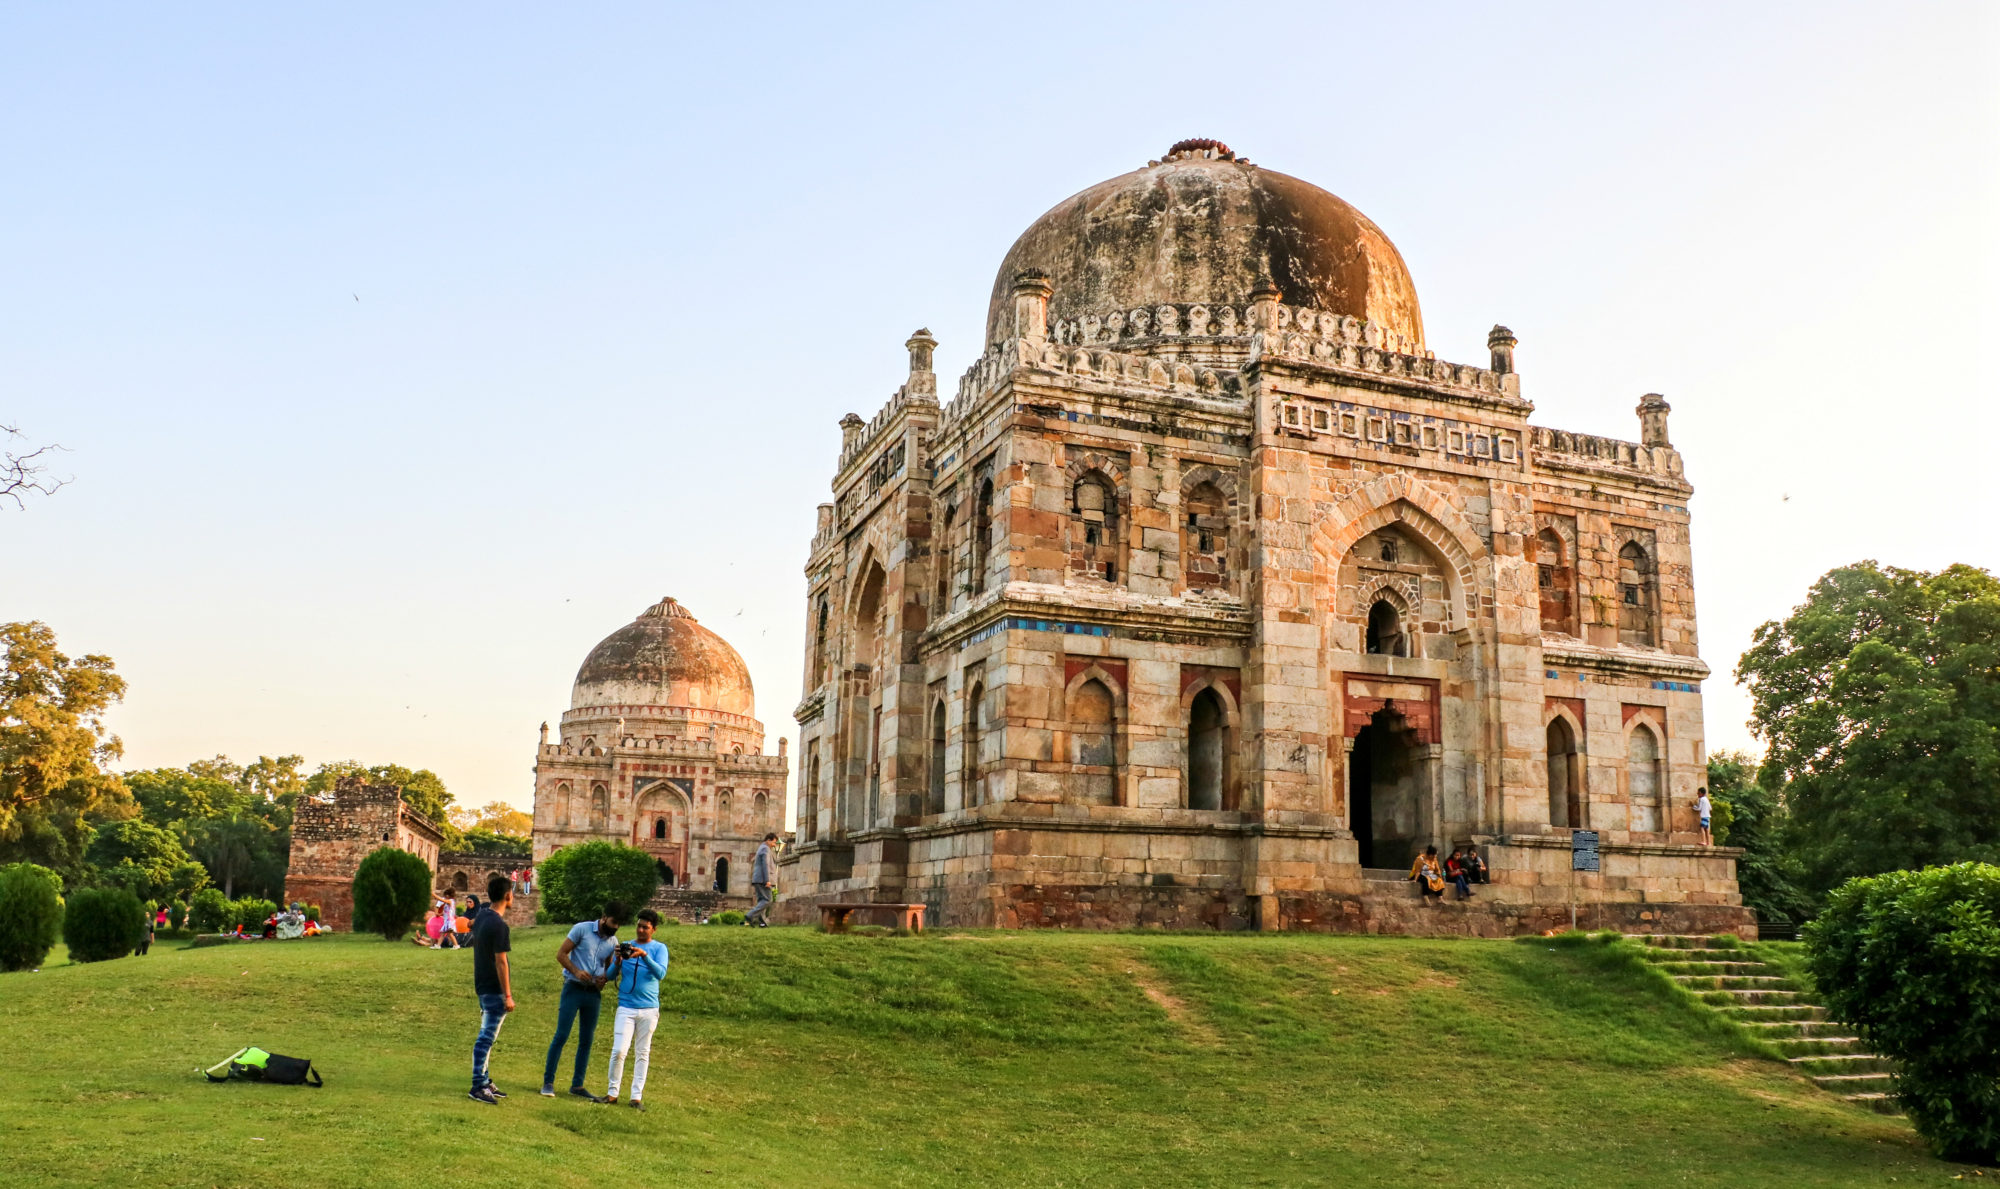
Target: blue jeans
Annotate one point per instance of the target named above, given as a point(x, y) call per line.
point(578, 1004)
point(492, 1014)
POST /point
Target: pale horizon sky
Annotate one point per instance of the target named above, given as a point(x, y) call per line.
point(401, 355)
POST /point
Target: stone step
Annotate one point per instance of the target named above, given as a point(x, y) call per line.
point(1808, 1046)
point(1774, 1030)
point(1716, 969)
point(1827, 1064)
point(1856, 1083)
point(1736, 997)
point(1734, 982)
point(1757, 1013)
point(1688, 941)
point(1881, 1104)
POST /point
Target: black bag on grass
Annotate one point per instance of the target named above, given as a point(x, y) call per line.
point(256, 1065)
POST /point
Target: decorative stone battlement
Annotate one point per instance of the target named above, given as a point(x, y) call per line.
point(1144, 372)
point(1343, 341)
point(860, 444)
point(1561, 448)
point(700, 748)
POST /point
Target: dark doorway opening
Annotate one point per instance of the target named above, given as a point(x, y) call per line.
point(666, 873)
point(721, 874)
point(1384, 792)
point(1207, 735)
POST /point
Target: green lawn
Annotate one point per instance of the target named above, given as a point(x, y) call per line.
point(786, 1057)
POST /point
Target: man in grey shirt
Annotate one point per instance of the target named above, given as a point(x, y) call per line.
point(760, 882)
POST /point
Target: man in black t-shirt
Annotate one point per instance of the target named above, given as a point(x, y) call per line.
point(491, 981)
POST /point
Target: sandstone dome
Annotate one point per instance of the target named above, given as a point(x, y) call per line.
point(664, 658)
point(1202, 226)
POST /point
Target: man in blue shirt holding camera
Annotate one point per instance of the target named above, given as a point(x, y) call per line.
point(586, 956)
point(639, 969)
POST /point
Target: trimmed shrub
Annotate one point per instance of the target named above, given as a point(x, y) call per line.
point(727, 916)
point(1912, 959)
point(177, 914)
point(102, 923)
point(251, 912)
point(392, 888)
point(578, 881)
point(31, 914)
point(208, 911)
point(312, 913)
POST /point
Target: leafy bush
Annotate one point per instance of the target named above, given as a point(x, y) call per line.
point(578, 881)
point(392, 888)
point(1912, 959)
point(312, 912)
point(177, 913)
point(727, 916)
point(209, 910)
point(102, 923)
point(251, 912)
point(31, 913)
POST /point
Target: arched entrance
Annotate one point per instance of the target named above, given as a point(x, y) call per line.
point(1208, 732)
point(721, 873)
point(1387, 790)
point(1565, 783)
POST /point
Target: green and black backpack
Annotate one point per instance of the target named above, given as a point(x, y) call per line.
point(256, 1065)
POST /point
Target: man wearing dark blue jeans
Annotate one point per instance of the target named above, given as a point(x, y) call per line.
point(492, 981)
point(586, 957)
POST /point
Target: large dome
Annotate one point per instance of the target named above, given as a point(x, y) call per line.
point(665, 658)
point(1202, 226)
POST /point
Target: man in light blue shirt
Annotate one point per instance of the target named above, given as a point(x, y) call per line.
point(641, 966)
point(587, 955)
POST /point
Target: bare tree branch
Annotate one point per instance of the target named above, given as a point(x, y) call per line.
point(25, 474)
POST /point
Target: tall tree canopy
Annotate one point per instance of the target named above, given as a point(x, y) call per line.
point(1750, 814)
point(1879, 698)
point(52, 743)
point(423, 789)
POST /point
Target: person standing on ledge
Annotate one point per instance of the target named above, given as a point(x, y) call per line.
point(1704, 808)
point(492, 982)
point(760, 882)
point(586, 957)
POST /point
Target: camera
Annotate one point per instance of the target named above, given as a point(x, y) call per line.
point(627, 950)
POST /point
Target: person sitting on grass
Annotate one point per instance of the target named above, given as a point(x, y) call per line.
point(1428, 874)
point(1454, 870)
point(428, 935)
point(640, 968)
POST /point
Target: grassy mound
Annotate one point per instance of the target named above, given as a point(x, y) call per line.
point(786, 1057)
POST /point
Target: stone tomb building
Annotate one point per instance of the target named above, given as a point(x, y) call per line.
point(1212, 597)
point(332, 834)
point(661, 749)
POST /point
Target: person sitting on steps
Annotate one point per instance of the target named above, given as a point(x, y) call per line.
point(1475, 867)
point(1455, 871)
point(1428, 874)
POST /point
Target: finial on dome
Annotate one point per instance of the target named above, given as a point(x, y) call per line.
point(1199, 146)
point(666, 608)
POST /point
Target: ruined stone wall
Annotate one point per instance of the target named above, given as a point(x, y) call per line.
point(331, 836)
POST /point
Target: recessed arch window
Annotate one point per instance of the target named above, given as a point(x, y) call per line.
point(1385, 630)
point(1093, 744)
point(975, 715)
point(1565, 776)
point(1643, 778)
point(934, 797)
point(1637, 597)
point(660, 828)
point(1094, 531)
point(941, 562)
point(982, 534)
point(1207, 750)
point(1205, 538)
point(1555, 581)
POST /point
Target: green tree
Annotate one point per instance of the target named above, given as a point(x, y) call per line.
point(102, 923)
point(150, 853)
point(423, 789)
point(1752, 816)
point(392, 888)
point(1879, 698)
point(578, 881)
point(486, 842)
point(52, 742)
point(186, 879)
point(1912, 959)
point(208, 910)
point(31, 914)
point(172, 796)
point(232, 848)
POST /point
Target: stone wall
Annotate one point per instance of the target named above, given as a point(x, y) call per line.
point(462, 872)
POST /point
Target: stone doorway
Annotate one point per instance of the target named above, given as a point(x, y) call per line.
point(1387, 791)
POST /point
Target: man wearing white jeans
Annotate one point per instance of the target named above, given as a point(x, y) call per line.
point(639, 970)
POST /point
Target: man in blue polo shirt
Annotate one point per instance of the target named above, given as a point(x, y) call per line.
point(586, 956)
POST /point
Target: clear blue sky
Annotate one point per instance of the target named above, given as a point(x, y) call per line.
point(620, 270)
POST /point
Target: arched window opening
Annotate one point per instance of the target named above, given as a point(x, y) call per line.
point(1555, 578)
point(819, 646)
point(458, 881)
point(1637, 597)
point(1391, 552)
point(1565, 777)
point(941, 560)
point(934, 800)
point(1642, 778)
point(562, 814)
point(982, 535)
point(1385, 631)
point(722, 873)
point(1205, 539)
point(809, 799)
point(600, 806)
point(1093, 744)
point(1094, 538)
point(759, 806)
point(1208, 729)
point(974, 730)
point(660, 828)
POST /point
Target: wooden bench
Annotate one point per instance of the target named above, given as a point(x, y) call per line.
point(833, 917)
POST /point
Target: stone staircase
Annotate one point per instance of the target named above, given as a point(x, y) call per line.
point(1762, 1000)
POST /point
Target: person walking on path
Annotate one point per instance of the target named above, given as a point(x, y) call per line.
point(1704, 808)
point(586, 956)
point(760, 882)
point(492, 982)
point(641, 966)
point(448, 924)
point(146, 938)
